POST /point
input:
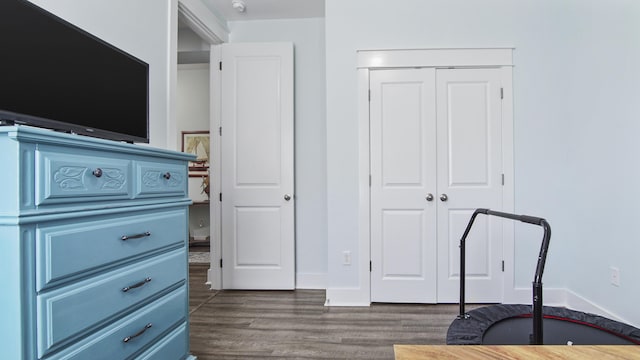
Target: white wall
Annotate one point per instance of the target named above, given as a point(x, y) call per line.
point(603, 111)
point(192, 102)
point(576, 127)
point(310, 143)
point(144, 28)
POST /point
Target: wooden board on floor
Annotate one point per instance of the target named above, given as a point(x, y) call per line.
point(476, 352)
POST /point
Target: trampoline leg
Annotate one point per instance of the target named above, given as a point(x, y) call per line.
point(537, 314)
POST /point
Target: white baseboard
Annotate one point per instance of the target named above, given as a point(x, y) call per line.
point(303, 280)
point(358, 297)
point(346, 297)
point(577, 302)
point(311, 281)
point(563, 298)
point(211, 277)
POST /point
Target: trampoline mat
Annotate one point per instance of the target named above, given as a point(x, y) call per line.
point(513, 324)
point(515, 331)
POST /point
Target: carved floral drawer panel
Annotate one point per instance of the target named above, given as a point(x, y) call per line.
point(160, 179)
point(66, 177)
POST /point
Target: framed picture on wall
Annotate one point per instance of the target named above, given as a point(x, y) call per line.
point(197, 143)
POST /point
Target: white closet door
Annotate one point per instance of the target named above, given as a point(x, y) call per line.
point(403, 221)
point(257, 166)
point(469, 176)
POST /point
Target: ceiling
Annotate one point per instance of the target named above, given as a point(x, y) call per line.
point(268, 9)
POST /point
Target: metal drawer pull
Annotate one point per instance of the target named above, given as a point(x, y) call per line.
point(97, 172)
point(167, 175)
point(129, 338)
point(127, 288)
point(137, 236)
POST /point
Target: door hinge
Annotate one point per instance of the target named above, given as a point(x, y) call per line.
point(369, 180)
point(220, 65)
point(502, 179)
point(220, 262)
point(501, 93)
point(370, 266)
point(220, 197)
point(369, 95)
point(220, 130)
point(502, 265)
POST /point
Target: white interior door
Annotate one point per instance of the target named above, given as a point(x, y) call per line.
point(257, 166)
point(403, 161)
point(469, 176)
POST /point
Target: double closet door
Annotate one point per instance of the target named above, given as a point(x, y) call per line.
point(436, 156)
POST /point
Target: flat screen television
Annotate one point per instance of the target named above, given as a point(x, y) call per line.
point(58, 76)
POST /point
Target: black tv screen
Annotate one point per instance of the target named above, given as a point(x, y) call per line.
point(55, 75)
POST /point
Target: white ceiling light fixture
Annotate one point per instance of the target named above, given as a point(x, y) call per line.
point(239, 5)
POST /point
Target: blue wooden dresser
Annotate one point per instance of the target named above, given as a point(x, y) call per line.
point(93, 248)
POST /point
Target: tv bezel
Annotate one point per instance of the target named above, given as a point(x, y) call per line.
point(8, 118)
point(14, 118)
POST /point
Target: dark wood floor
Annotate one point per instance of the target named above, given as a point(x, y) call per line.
point(297, 325)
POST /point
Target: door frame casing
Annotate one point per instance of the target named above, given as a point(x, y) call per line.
point(368, 60)
point(200, 19)
point(214, 275)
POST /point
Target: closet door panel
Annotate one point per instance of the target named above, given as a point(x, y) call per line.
point(469, 174)
point(403, 243)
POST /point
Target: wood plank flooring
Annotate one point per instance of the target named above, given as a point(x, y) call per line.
point(297, 325)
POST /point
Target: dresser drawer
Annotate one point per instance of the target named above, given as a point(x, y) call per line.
point(148, 324)
point(77, 308)
point(64, 177)
point(155, 179)
point(75, 248)
point(172, 346)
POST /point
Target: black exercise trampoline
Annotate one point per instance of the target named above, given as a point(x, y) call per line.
point(532, 324)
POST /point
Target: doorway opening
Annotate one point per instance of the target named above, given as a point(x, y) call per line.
point(196, 34)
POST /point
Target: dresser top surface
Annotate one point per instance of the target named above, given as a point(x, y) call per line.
point(45, 136)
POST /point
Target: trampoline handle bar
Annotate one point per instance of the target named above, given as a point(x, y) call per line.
point(537, 281)
point(524, 218)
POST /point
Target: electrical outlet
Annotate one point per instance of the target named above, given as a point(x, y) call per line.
point(615, 276)
point(346, 257)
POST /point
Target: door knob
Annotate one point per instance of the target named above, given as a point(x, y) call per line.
point(444, 197)
point(429, 197)
point(287, 197)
